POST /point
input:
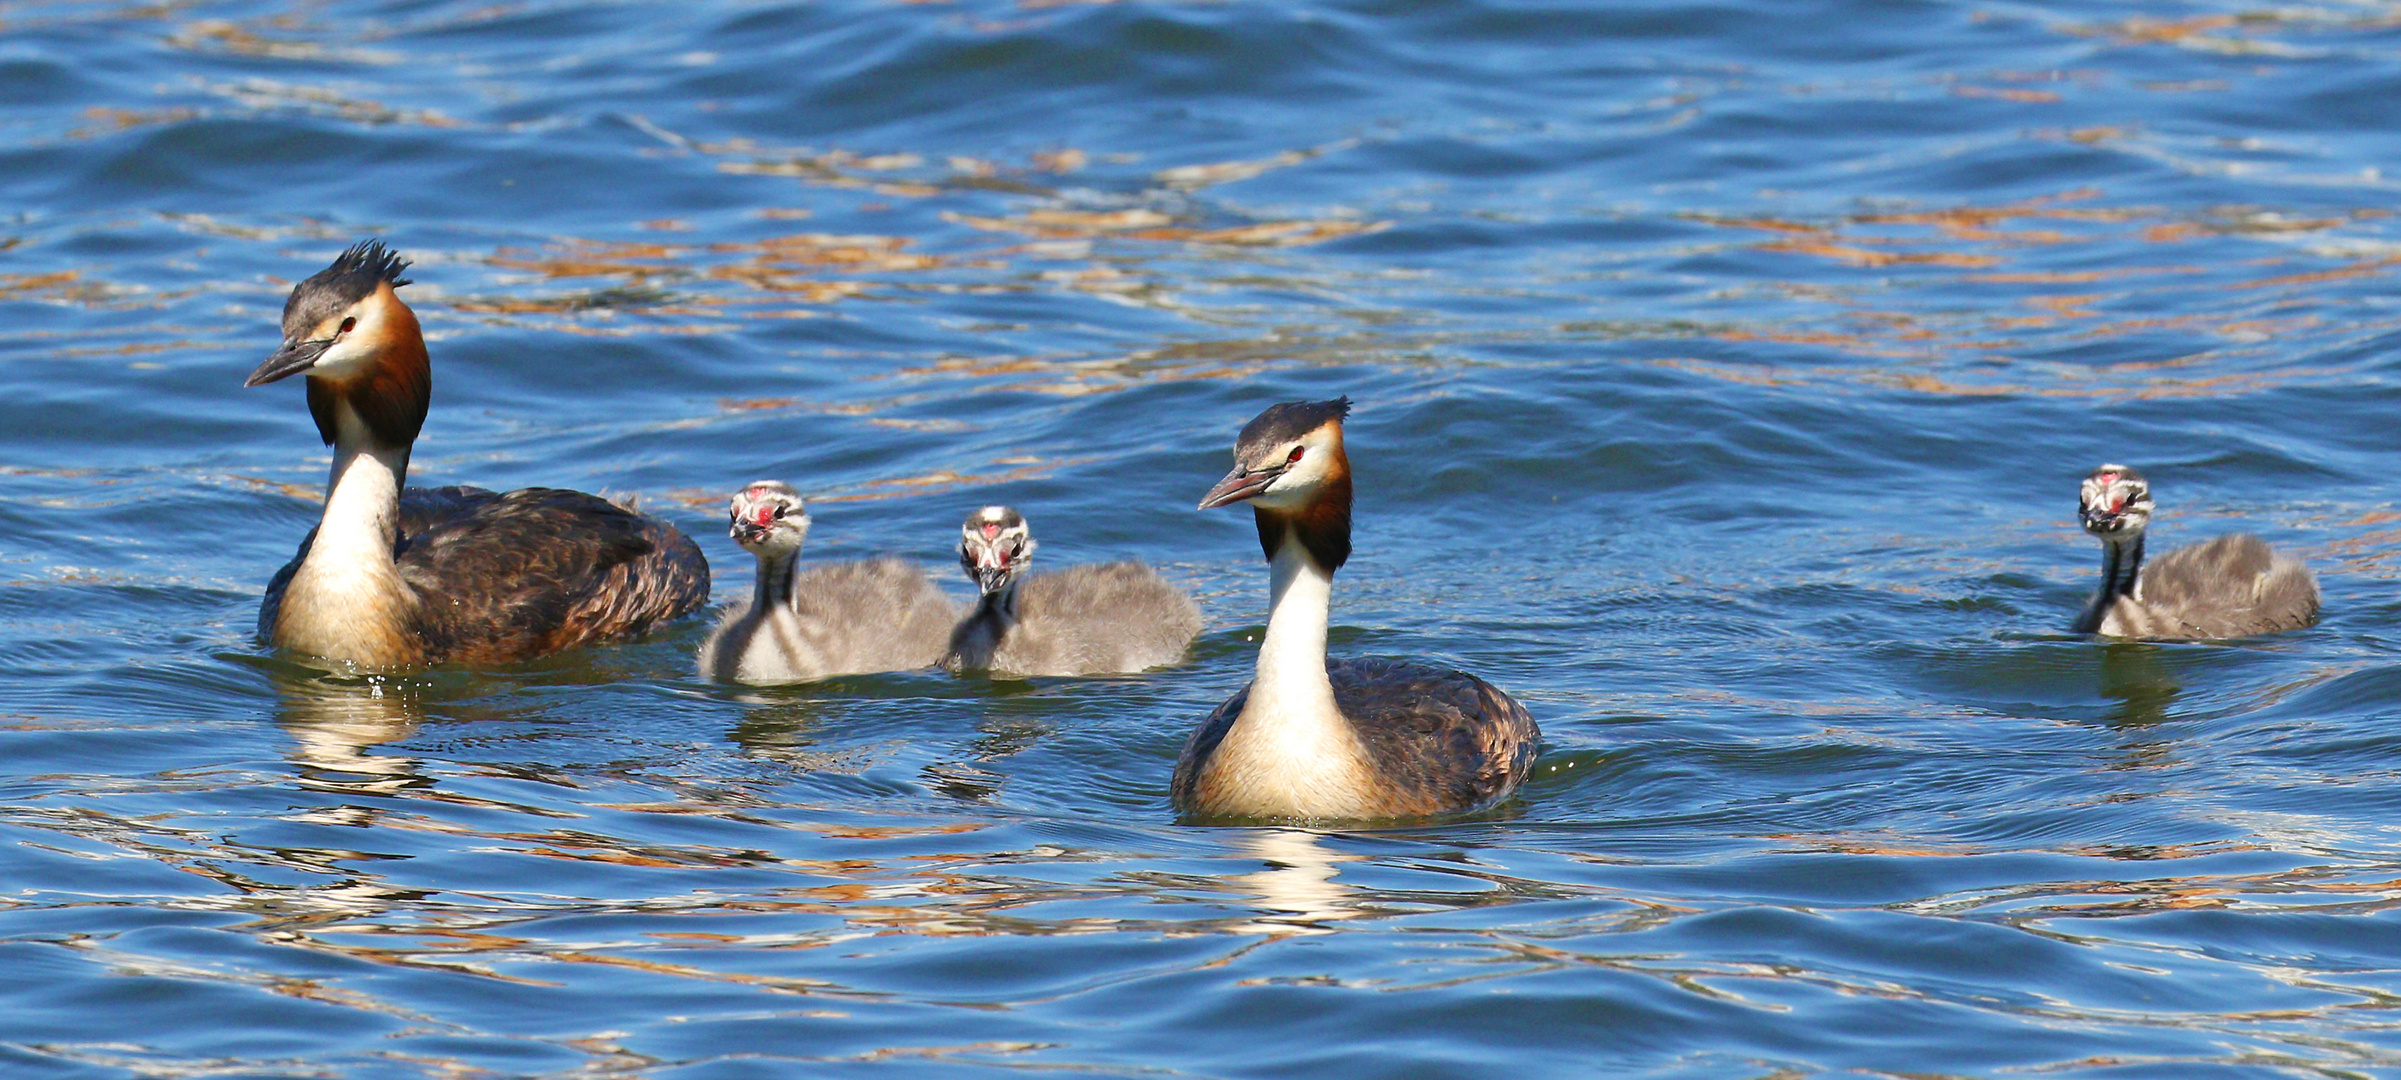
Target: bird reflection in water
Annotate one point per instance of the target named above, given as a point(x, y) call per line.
point(1013, 722)
point(786, 725)
point(336, 725)
point(2136, 676)
point(782, 725)
point(1296, 892)
point(779, 728)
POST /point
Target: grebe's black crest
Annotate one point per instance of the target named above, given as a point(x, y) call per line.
point(1283, 423)
point(359, 268)
point(354, 275)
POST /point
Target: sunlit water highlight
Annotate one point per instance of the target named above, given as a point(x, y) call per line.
point(1724, 374)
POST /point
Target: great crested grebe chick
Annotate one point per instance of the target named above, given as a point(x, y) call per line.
point(398, 576)
point(1095, 619)
point(1340, 739)
point(2232, 586)
point(846, 618)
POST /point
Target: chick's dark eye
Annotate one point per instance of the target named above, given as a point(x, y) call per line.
point(779, 512)
point(1295, 455)
point(348, 323)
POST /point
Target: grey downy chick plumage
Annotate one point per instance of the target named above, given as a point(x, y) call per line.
point(2233, 586)
point(847, 618)
point(1094, 619)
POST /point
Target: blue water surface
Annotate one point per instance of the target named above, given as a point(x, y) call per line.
point(1724, 372)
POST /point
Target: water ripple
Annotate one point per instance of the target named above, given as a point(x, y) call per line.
point(1721, 378)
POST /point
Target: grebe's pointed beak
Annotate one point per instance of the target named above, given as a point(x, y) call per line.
point(294, 358)
point(1239, 485)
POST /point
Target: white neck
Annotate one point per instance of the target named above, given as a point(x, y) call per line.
point(1292, 751)
point(1292, 657)
point(347, 601)
point(362, 498)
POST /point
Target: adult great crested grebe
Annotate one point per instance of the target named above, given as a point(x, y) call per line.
point(397, 576)
point(847, 618)
point(1095, 619)
point(2232, 586)
point(1341, 739)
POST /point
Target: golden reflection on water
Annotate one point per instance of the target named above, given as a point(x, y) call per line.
point(639, 288)
point(629, 288)
point(1986, 241)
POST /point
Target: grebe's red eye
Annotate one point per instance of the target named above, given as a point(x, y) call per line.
point(1295, 455)
point(347, 324)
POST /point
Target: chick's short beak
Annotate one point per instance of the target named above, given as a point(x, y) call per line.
point(991, 566)
point(752, 527)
